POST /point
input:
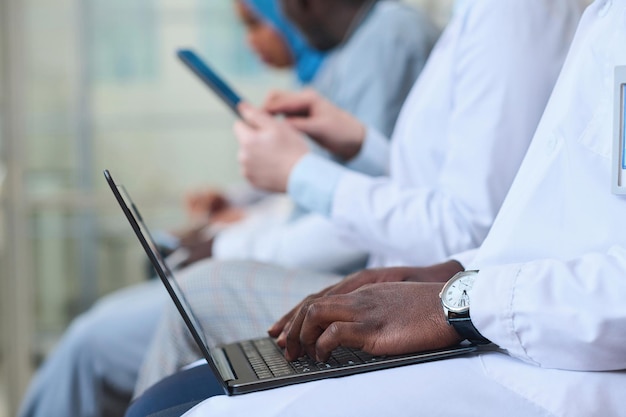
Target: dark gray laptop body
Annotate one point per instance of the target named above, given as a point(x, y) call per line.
point(238, 366)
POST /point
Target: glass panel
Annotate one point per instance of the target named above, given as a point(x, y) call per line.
point(3, 260)
point(128, 53)
point(2, 160)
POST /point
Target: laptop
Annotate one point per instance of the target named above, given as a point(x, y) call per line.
point(259, 364)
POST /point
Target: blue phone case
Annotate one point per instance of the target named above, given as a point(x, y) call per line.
point(210, 78)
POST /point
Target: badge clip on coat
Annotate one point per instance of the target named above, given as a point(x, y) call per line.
point(618, 179)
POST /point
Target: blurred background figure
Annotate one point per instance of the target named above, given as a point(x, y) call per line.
point(93, 368)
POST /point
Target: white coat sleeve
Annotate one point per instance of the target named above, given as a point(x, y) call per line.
point(565, 315)
point(500, 91)
point(309, 242)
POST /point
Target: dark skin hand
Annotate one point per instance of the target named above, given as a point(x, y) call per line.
point(382, 319)
point(437, 273)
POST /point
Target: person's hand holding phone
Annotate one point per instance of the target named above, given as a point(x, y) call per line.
point(333, 128)
point(269, 148)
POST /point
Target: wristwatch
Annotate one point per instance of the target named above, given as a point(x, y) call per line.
point(455, 299)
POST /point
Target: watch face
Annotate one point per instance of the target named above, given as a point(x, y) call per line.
point(456, 294)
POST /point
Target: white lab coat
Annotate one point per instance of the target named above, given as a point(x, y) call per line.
point(460, 138)
point(551, 284)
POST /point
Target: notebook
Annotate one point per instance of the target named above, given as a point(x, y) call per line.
point(259, 364)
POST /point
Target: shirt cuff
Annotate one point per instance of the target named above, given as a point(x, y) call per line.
point(491, 311)
point(312, 183)
point(373, 158)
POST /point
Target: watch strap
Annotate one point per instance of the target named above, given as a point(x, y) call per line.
point(466, 329)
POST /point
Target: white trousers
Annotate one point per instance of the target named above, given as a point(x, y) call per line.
point(481, 385)
point(458, 387)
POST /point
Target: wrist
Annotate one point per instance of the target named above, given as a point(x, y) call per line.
point(446, 335)
point(352, 146)
point(440, 273)
point(444, 271)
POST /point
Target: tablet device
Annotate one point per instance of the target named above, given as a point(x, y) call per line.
point(210, 78)
point(619, 135)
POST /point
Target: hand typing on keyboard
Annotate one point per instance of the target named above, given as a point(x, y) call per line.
point(380, 319)
point(436, 273)
point(268, 360)
point(374, 311)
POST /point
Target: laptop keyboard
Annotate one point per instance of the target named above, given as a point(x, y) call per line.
point(268, 360)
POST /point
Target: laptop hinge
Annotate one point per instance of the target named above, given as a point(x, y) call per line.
point(223, 366)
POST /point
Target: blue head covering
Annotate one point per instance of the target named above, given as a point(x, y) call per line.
point(307, 60)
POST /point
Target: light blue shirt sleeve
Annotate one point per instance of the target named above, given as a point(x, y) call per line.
point(373, 158)
point(313, 180)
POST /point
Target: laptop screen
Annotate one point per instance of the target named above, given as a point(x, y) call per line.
point(162, 268)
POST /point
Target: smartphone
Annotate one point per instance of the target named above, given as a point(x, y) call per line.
point(210, 78)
